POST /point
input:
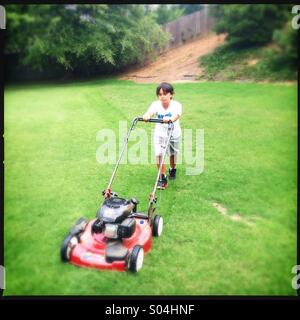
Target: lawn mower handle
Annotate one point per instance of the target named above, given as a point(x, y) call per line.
point(151, 120)
point(108, 191)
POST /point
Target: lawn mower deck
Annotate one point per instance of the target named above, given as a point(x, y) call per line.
point(103, 253)
point(117, 239)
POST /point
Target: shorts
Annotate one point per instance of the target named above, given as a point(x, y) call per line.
point(160, 143)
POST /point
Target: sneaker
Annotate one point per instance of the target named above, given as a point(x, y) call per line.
point(162, 183)
point(172, 174)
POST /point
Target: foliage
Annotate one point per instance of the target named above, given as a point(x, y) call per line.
point(190, 8)
point(217, 61)
point(286, 40)
point(81, 39)
point(167, 13)
point(249, 25)
point(256, 63)
point(250, 30)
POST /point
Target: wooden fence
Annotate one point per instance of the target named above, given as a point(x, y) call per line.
point(188, 27)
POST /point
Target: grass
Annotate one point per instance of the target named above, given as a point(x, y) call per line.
point(52, 178)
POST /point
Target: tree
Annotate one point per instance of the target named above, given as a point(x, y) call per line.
point(167, 13)
point(80, 39)
point(286, 41)
point(190, 8)
point(249, 25)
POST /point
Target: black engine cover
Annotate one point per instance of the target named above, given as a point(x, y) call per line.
point(126, 228)
point(115, 210)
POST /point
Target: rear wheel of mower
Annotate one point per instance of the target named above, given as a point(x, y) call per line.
point(78, 227)
point(136, 258)
point(157, 226)
point(65, 251)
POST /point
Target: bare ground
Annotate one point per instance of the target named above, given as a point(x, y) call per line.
point(178, 64)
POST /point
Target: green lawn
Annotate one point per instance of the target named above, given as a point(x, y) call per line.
point(52, 178)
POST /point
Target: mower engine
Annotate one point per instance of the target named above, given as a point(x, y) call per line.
point(112, 218)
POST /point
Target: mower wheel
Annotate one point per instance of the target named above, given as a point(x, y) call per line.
point(65, 251)
point(136, 258)
point(157, 226)
point(79, 227)
point(82, 222)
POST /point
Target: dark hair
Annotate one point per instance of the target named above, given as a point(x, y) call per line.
point(166, 88)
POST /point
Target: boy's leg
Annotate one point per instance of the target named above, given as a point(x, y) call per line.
point(172, 162)
point(158, 145)
point(172, 170)
point(174, 148)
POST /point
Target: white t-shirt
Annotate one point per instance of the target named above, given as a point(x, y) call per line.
point(157, 109)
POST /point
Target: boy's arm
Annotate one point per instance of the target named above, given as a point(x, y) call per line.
point(150, 112)
point(147, 115)
point(175, 117)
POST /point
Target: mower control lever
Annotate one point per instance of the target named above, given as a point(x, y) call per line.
point(108, 193)
point(152, 198)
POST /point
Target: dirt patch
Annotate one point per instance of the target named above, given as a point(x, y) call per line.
point(236, 217)
point(220, 208)
point(178, 64)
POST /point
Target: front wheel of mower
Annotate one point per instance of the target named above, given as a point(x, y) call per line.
point(136, 259)
point(157, 226)
point(65, 251)
point(82, 222)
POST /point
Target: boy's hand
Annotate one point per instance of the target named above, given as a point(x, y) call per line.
point(146, 117)
point(167, 119)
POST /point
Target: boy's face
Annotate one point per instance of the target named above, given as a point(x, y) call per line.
point(165, 98)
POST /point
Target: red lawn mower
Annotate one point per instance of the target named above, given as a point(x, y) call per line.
point(119, 235)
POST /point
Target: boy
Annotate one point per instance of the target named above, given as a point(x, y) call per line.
point(167, 109)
